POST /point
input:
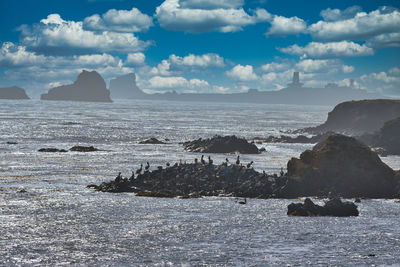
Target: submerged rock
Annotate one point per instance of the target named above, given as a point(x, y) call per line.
point(152, 140)
point(333, 207)
point(342, 166)
point(83, 149)
point(52, 150)
point(221, 144)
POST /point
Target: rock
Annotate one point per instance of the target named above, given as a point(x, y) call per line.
point(152, 141)
point(52, 150)
point(342, 166)
point(83, 149)
point(358, 117)
point(221, 144)
point(386, 141)
point(11, 143)
point(89, 86)
point(124, 87)
point(13, 92)
point(333, 207)
point(195, 180)
point(301, 139)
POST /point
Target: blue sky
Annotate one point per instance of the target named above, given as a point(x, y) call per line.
point(201, 45)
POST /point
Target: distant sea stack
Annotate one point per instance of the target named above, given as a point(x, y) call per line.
point(125, 87)
point(359, 117)
point(89, 86)
point(13, 92)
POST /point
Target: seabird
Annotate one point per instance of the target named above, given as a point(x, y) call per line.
point(249, 165)
point(147, 166)
point(210, 161)
point(237, 160)
point(138, 171)
point(202, 160)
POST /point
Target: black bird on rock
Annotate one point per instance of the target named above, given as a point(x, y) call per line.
point(202, 160)
point(238, 160)
point(249, 165)
point(147, 166)
point(118, 178)
point(168, 164)
point(138, 171)
point(132, 176)
point(195, 161)
point(210, 161)
point(282, 173)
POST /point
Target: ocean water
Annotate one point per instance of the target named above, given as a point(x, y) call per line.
point(48, 217)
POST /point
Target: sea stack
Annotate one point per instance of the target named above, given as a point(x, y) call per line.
point(89, 86)
point(13, 92)
point(124, 87)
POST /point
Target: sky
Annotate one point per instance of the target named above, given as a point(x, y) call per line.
point(201, 46)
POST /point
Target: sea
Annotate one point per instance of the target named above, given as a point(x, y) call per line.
point(49, 218)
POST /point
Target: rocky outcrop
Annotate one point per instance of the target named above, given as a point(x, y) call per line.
point(52, 150)
point(153, 141)
point(386, 141)
point(89, 86)
point(342, 166)
point(221, 144)
point(195, 180)
point(334, 207)
point(124, 87)
point(13, 92)
point(83, 149)
point(358, 117)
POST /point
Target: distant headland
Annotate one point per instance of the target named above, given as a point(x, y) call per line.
point(13, 92)
point(89, 86)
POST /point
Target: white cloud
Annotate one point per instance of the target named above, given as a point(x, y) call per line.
point(203, 61)
point(220, 89)
point(162, 68)
point(57, 36)
point(119, 20)
point(211, 4)
point(176, 82)
point(242, 73)
point(329, 50)
point(281, 26)
point(337, 14)
point(323, 66)
point(360, 27)
point(134, 59)
point(385, 82)
point(197, 18)
point(12, 55)
point(385, 40)
point(275, 66)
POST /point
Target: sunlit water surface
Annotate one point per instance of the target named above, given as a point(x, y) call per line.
point(58, 221)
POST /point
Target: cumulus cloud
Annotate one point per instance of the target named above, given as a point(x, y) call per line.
point(202, 61)
point(54, 35)
point(329, 50)
point(281, 26)
point(198, 16)
point(176, 82)
point(211, 4)
point(119, 20)
point(337, 14)
point(12, 55)
point(134, 59)
point(360, 27)
point(385, 82)
point(385, 40)
point(275, 66)
point(323, 65)
point(242, 73)
point(162, 68)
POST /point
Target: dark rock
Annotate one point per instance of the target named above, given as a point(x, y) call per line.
point(152, 141)
point(301, 139)
point(343, 166)
point(221, 144)
point(11, 143)
point(358, 117)
point(386, 141)
point(13, 92)
point(333, 207)
point(83, 149)
point(52, 149)
point(89, 86)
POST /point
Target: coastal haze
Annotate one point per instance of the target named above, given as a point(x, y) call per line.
point(98, 97)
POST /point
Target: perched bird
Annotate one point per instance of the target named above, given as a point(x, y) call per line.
point(210, 161)
point(243, 201)
point(249, 165)
point(118, 178)
point(282, 173)
point(159, 168)
point(147, 166)
point(132, 176)
point(202, 160)
point(195, 161)
point(238, 160)
point(138, 171)
point(168, 164)
point(226, 160)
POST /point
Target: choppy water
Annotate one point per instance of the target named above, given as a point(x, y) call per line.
point(57, 221)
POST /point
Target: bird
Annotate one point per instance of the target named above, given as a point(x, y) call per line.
point(249, 165)
point(168, 164)
point(238, 160)
point(147, 166)
point(138, 171)
point(195, 161)
point(118, 178)
point(202, 160)
point(132, 176)
point(226, 160)
point(210, 161)
point(282, 173)
point(159, 168)
point(243, 201)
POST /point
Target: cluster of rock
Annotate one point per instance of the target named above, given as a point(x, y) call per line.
point(300, 139)
point(74, 148)
point(221, 144)
point(333, 207)
point(340, 166)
